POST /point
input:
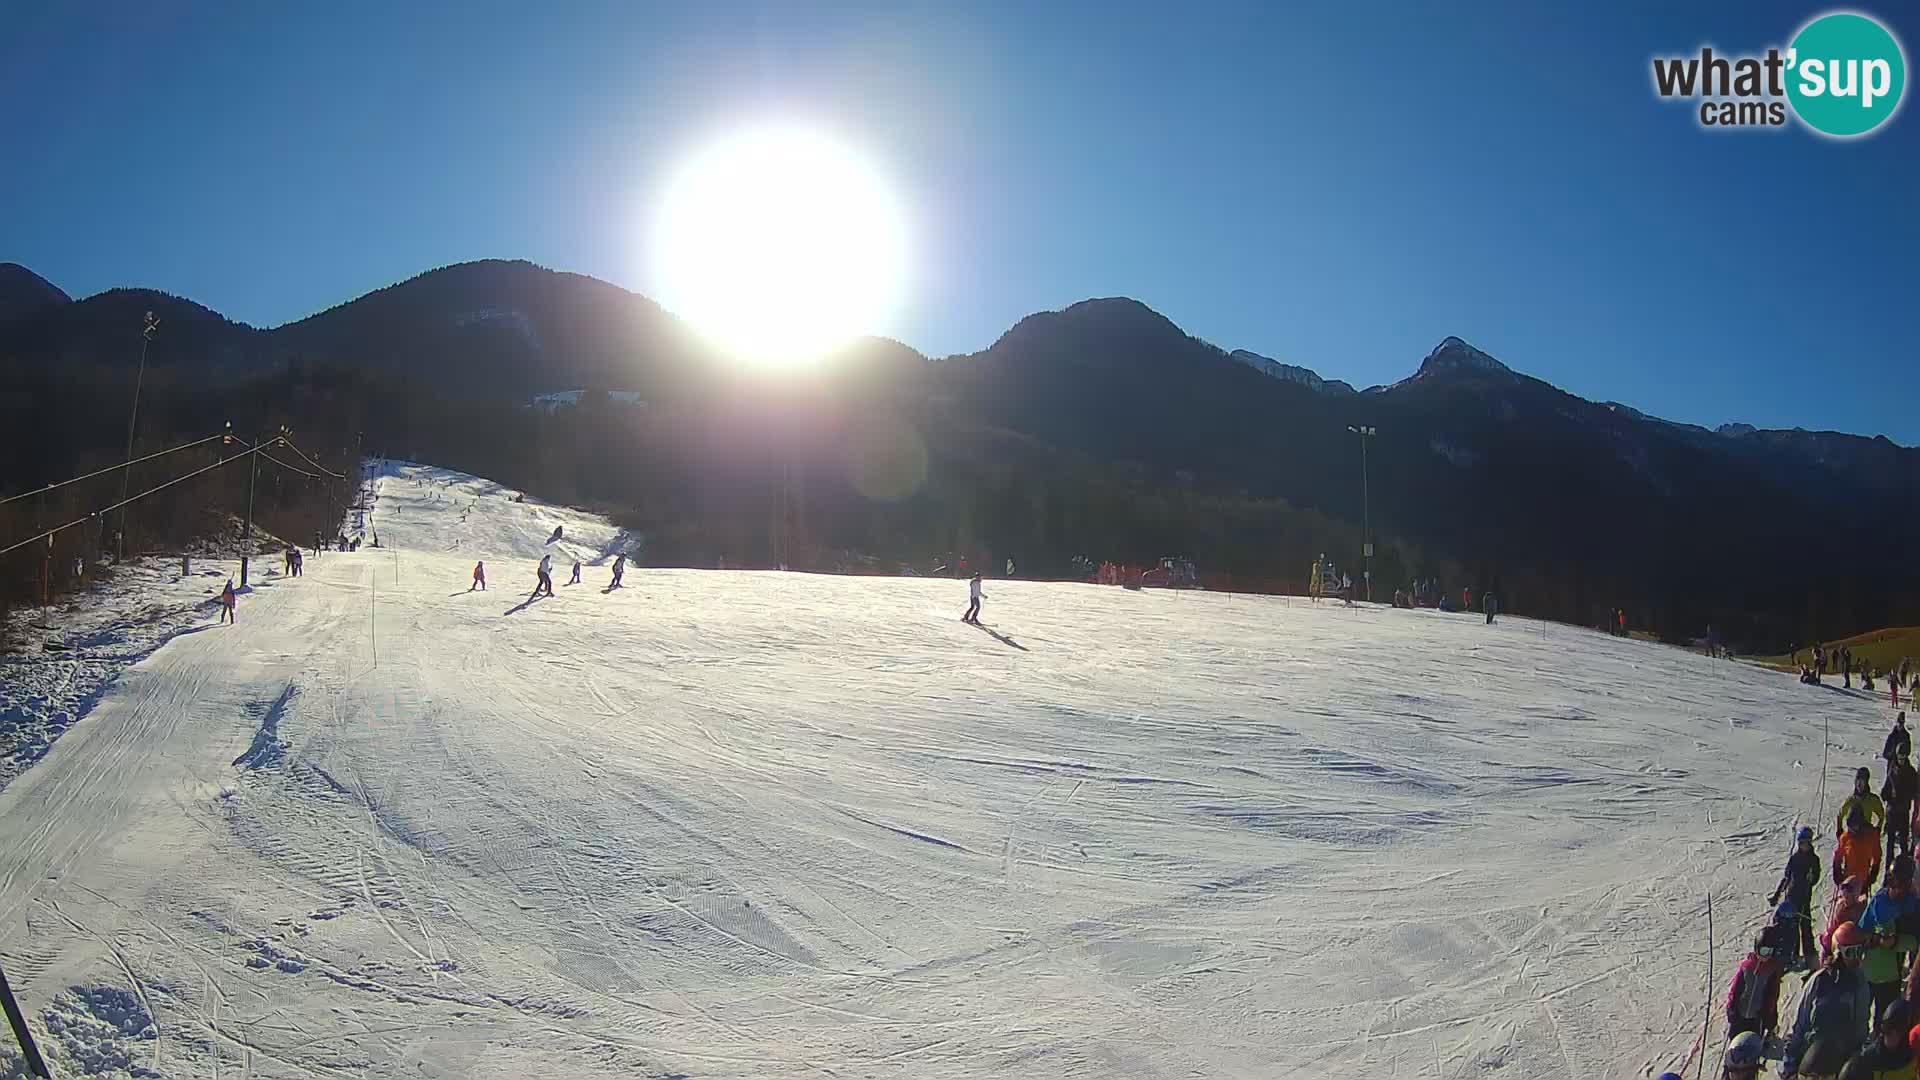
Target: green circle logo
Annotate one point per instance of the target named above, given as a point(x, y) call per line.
point(1846, 74)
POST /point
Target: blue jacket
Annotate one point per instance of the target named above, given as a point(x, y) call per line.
point(1891, 915)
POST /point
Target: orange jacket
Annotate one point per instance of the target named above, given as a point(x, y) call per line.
point(1857, 853)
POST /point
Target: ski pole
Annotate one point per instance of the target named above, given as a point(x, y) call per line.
point(1706, 1019)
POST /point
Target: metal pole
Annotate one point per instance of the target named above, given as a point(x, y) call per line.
point(1366, 519)
point(35, 1065)
point(133, 417)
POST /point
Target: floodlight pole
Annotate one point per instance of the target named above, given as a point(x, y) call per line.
point(1366, 509)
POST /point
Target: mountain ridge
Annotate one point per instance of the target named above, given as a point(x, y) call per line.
point(1452, 355)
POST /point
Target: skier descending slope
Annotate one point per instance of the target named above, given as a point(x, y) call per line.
point(544, 586)
point(575, 580)
point(557, 531)
point(973, 605)
point(1835, 1011)
point(619, 569)
point(479, 577)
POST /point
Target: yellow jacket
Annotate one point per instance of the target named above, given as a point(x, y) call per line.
point(1869, 805)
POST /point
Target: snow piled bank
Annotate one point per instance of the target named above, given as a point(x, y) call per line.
point(762, 824)
point(67, 655)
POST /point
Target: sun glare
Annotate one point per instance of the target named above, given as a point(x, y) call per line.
point(779, 244)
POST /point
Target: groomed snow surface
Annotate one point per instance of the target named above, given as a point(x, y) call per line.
point(778, 825)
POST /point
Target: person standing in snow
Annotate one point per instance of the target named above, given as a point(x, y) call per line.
point(1846, 667)
point(1492, 604)
point(228, 602)
point(1857, 852)
point(545, 583)
point(479, 577)
point(973, 598)
point(1889, 921)
point(1865, 800)
point(1836, 1011)
point(575, 579)
point(1753, 998)
point(619, 569)
point(1899, 740)
point(1009, 566)
point(1899, 791)
point(1797, 881)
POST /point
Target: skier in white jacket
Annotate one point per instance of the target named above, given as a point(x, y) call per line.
point(973, 596)
point(545, 584)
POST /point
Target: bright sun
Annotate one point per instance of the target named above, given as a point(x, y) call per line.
point(779, 243)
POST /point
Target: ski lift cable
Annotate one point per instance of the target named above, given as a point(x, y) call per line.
point(108, 469)
point(310, 461)
point(50, 533)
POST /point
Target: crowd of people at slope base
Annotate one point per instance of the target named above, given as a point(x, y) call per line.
point(1839, 660)
point(1856, 1016)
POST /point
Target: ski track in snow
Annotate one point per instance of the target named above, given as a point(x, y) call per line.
point(759, 824)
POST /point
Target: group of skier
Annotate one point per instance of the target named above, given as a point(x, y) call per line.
point(543, 575)
point(1856, 1014)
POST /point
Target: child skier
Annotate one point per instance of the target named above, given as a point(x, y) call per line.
point(1802, 873)
point(479, 577)
point(619, 569)
point(1746, 1052)
point(575, 580)
point(1753, 998)
point(1857, 852)
point(1848, 904)
point(973, 598)
point(228, 602)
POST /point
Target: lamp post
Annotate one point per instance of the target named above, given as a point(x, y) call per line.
point(151, 328)
point(1366, 509)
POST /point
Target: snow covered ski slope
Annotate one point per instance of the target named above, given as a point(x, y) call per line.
point(779, 825)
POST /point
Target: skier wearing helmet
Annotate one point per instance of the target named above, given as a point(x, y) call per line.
point(1802, 873)
point(1745, 1053)
point(1889, 1056)
point(1889, 919)
point(1835, 1011)
point(1858, 850)
point(1753, 998)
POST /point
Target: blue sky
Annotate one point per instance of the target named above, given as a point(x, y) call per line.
point(1338, 187)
